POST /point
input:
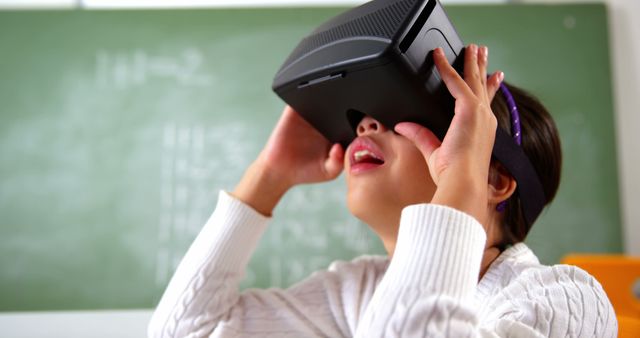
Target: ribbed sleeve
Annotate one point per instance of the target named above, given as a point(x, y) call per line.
point(434, 270)
point(210, 271)
point(439, 249)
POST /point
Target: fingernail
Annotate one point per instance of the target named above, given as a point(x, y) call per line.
point(485, 52)
point(402, 128)
point(501, 76)
point(438, 51)
point(473, 49)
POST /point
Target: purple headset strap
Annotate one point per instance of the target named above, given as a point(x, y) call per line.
point(516, 131)
point(508, 151)
point(515, 115)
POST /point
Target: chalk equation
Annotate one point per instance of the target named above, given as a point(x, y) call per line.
point(127, 69)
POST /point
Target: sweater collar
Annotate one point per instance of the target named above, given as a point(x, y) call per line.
point(503, 269)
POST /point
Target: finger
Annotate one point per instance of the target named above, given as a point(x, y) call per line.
point(456, 85)
point(422, 137)
point(483, 60)
point(288, 110)
point(288, 114)
point(471, 71)
point(291, 117)
point(493, 84)
point(335, 162)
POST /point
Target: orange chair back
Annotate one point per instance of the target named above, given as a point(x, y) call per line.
point(620, 278)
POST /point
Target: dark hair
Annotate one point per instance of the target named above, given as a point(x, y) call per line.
point(541, 143)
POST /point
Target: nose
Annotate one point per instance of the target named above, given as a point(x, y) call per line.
point(369, 125)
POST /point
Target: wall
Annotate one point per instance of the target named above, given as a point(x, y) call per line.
point(625, 30)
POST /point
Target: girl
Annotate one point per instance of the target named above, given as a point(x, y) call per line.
point(445, 212)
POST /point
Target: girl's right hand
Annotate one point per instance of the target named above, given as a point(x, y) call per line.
point(296, 153)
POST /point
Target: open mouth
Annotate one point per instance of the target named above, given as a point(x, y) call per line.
point(365, 155)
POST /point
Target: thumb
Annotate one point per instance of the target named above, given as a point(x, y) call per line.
point(334, 163)
point(493, 84)
point(423, 138)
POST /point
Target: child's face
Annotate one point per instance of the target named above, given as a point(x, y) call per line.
point(385, 172)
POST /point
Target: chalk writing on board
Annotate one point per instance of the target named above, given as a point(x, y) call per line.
point(132, 68)
point(195, 160)
point(311, 226)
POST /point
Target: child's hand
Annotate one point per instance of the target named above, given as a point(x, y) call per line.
point(295, 153)
point(298, 153)
point(459, 165)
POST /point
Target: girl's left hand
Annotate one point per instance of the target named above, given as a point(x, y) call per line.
point(459, 165)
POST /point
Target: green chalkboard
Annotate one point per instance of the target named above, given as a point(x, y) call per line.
point(118, 129)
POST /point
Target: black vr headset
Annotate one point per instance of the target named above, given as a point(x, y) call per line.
point(376, 60)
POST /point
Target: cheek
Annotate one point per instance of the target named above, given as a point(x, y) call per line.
point(411, 177)
point(404, 180)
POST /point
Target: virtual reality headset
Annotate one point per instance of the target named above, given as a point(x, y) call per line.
point(376, 60)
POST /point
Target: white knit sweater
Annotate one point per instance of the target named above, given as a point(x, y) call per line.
point(429, 289)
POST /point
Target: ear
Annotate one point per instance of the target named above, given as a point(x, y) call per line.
point(501, 184)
